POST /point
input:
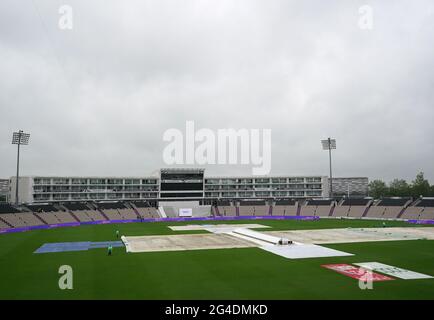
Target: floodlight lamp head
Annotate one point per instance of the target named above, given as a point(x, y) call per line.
point(20, 138)
point(328, 144)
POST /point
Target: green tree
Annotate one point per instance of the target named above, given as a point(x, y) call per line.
point(431, 192)
point(399, 188)
point(420, 186)
point(378, 189)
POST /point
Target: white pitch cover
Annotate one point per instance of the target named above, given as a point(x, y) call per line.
point(392, 271)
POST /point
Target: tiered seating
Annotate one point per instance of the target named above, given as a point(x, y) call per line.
point(355, 208)
point(253, 208)
point(79, 211)
point(50, 214)
point(110, 209)
point(226, 209)
point(422, 210)
point(6, 211)
point(428, 211)
point(3, 224)
point(341, 211)
point(48, 218)
point(145, 211)
point(13, 220)
point(389, 208)
point(82, 216)
point(29, 219)
point(84, 212)
point(316, 208)
point(285, 207)
point(128, 214)
point(64, 217)
point(45, 212)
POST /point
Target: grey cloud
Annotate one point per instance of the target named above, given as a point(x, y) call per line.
point(97, 99)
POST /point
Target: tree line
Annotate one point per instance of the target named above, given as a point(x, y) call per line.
point(401, 188)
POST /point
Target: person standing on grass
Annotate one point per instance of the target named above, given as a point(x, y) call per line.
point(109, 250)
point(117, 234)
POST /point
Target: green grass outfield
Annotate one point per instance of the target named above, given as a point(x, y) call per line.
point(249, 273)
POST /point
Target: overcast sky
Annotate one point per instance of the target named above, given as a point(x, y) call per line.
point(98, 98)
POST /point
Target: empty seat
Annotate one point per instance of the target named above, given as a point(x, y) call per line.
point(48, 217)
point(3, 225)
point(427, 214)
point(376, 212)
point(112, 214)
point(285, 207)
point(246, 210)
point(323, 211)
point(127, 214)
point(13, 220)
point(228, 211)
point(341, 211)
point(316, 207)
point(82, 216)
point(64, 217)
point(29, 219)
point(356, 211)
point(96, 215)
point(412, 213)
point(308, 210)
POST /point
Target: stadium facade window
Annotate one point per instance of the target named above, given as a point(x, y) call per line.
point(79, 181)
point(212, 194)
point(228, 181)
point(115, 181)
point(245, 187)
point(262, 187)
point(280, 194)
point(313, 193)
point(132, 181)
point(246, 194)
point(79, 196)
point(42, 181)
point(149, 181)
point(296, 180)
point(212, 181)
point(260, 194)
point(229, 194)
point(245, 181)
point(296, 193)
point(60, 181)
point(97, 181)
point(42, 197)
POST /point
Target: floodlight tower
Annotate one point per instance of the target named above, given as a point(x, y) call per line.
point(329, 144)
point(19, 138)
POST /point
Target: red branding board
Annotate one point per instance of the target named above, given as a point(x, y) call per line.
point(356, 272)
